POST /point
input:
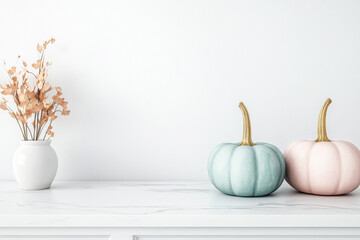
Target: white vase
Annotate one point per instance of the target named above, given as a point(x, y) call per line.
point(35, 165)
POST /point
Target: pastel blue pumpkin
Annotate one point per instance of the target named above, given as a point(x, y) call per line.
point(246, 169)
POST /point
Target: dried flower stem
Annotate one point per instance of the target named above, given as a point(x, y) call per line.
point(17, 120)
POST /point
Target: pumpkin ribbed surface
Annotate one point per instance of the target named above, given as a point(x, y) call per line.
point(246, 171)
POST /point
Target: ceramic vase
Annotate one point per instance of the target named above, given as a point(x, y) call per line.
point(35, 165)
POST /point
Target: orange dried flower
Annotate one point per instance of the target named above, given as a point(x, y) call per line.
point(12, 70)
point(30, 100)
point(3, 105)
point(37, 64)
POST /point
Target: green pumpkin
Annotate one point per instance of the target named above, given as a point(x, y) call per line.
point(246, 169)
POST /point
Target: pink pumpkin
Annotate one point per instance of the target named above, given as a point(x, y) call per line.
point(322, 166)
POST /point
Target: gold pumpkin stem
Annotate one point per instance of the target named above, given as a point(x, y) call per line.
point(322, 136)
point(246, 140)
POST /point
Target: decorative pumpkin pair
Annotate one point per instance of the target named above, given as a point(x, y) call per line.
point(321, 167)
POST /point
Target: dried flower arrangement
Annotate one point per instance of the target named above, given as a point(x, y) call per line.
point(29, 90)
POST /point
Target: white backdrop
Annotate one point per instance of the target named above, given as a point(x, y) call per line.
point(154, 85)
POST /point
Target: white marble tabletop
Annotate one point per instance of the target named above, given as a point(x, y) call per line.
point(169, 204)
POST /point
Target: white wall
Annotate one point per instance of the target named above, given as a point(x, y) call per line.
point(154, 85)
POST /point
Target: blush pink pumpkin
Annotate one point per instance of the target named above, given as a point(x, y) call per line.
point(323, 167)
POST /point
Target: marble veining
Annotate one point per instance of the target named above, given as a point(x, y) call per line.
point(132, 202)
